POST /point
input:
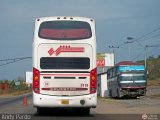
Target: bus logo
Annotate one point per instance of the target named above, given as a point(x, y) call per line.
point(66, 48)
point(51, 51)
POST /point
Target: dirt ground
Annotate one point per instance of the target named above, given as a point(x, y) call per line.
point(149, 104)
point(153, 82)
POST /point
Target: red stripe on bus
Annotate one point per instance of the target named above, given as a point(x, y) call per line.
point(65, 74)
point(64, 89)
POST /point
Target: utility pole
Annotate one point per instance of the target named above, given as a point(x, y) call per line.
point(113, 51)
point(129, 41)
point(145, 47)
point(146, 55)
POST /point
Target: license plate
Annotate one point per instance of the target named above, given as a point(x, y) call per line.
point(65, 102)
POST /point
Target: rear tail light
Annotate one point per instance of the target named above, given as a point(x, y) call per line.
point(36, 80)
point(93, 81)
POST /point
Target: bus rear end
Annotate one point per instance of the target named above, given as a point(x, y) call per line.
point(132, 80)
point(133, 84)
point(64, 63)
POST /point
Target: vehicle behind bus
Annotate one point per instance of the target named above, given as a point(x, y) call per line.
point(127, 79)
point(64, 63)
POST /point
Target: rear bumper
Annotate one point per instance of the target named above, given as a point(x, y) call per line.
point(40, 100)
point(133, 92)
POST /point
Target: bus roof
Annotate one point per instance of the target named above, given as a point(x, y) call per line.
point(64, 18)
point(128, 63)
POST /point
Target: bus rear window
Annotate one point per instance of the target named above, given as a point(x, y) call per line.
point(65, 30)
point(65, 63)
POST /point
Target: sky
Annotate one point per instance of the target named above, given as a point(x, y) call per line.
point(115, 21)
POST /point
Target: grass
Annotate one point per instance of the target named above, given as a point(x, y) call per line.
point(13, 93)
point(154, 82)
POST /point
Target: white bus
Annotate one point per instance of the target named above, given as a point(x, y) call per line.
point(64, 63)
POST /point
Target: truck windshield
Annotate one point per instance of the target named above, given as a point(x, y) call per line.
point(132, 77)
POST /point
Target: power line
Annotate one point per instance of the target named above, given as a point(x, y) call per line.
point(143, 36)
point(152, 46)
point(140, 54)
point(9, 62)
point(12, 60)
point(151, 37)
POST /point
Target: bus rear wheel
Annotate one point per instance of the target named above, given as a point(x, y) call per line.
point(118, 94)
point(40, 111)
point(84, 111)
point(110, 93)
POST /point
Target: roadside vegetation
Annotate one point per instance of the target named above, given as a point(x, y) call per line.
point(19, 86)
point(153, 67)
point(14, 87)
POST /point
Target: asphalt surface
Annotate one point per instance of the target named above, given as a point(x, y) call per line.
point(7, 100)
point(107, 109)
point(11, 110)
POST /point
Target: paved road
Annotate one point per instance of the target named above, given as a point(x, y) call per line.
point(16, 108)
point(109, 109)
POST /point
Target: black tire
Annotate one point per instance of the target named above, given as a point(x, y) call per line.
point(110, 93)
point(118, 94)
point(84, 111)
point(40, 111)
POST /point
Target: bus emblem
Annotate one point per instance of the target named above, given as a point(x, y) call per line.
point(51, 51)
point(65, 49)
